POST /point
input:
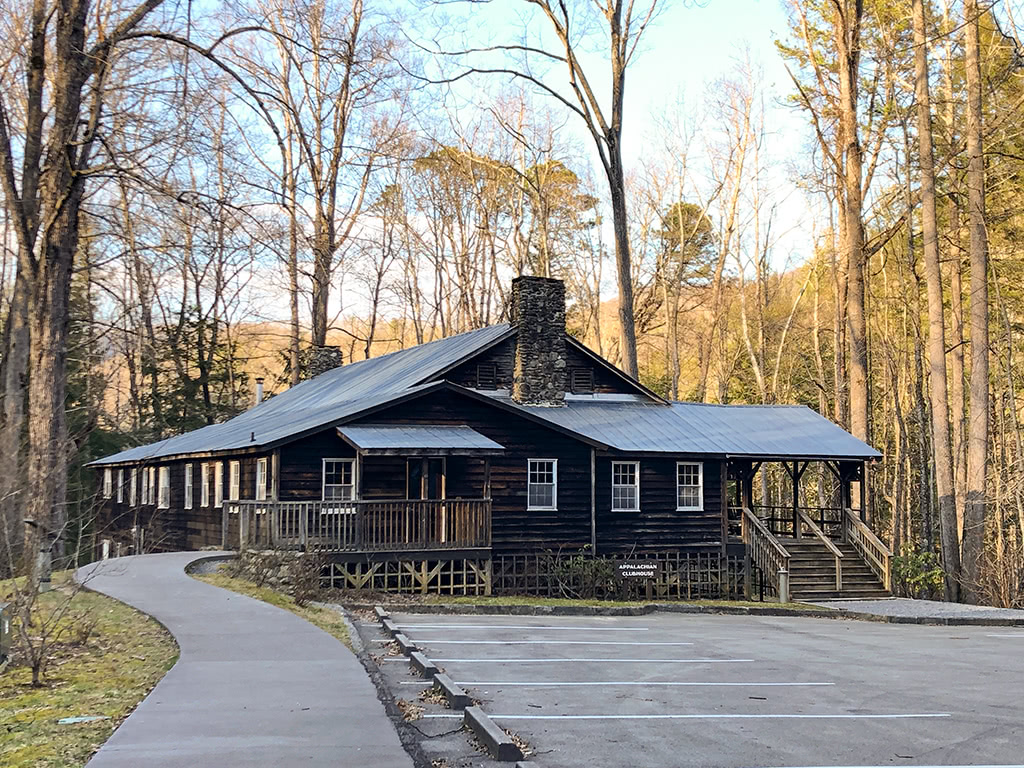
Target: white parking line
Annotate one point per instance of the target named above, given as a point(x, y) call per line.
point(637, 683)
point(1006, 634)
point(950, 765)
point(617, 661)
point(522, 626)
point(540, 642)
point(712, 716)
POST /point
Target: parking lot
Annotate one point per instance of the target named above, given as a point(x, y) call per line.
point(731, 691)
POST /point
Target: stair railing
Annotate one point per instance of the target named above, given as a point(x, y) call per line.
point(836, 553)
point(875, 553)
point(766, 553)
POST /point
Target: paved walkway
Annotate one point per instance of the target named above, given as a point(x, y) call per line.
point(926, 609)
point(254, 685)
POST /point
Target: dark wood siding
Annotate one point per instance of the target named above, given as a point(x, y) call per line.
point(502, 356)
point(515, 529)
point(658, 526)
point(301, 470)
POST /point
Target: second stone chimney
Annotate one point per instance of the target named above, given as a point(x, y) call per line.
point(537, 312)
point(316, 360)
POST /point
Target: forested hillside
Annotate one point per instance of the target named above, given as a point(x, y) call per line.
point(192, 199)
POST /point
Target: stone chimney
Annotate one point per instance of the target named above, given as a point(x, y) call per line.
point(537, 311)
point(316, 360)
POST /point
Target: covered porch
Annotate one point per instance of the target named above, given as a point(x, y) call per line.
point(805, 527)
point(407, 489)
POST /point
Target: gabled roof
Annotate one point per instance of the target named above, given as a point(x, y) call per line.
point(628, 423)
point(326, 399)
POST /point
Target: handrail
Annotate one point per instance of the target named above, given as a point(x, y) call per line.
point(359, 525)
point(765, 551)
point(865, 541)
point(828, 543)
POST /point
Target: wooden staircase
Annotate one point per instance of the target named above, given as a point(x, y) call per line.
point(812, 572)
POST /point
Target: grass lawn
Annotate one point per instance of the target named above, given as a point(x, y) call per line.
point(108, 672)
point(564, 601)
point(327, 619)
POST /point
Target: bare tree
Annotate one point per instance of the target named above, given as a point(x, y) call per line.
point(941, 445)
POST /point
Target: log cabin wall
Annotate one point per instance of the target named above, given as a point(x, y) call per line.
point(658, 526)
point(514, 529)
point(176, 528)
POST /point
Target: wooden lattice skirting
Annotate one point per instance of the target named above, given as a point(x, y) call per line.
point(462, 576)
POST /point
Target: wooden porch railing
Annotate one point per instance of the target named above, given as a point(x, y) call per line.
point(817, 532)
point(875, 553)
point(358, 526)
point(766, 553)
point(778, 518)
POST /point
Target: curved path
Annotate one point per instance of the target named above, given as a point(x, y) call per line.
point(254, 686)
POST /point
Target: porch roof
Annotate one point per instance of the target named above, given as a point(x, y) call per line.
point(418, 440)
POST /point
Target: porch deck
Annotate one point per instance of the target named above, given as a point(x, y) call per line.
point(356, 526)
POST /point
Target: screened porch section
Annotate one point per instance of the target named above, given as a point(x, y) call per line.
point(408, 488)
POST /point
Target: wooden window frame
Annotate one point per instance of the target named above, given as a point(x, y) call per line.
point(108, 482)
point(204, 484)
point(554, 486)
point(260, 493)
point(323, 478)
point(120, 485)
point(234, 480)
point(635, 485)
point(189, 487)
point(218, 484)
point(133, 489)
point(700, 486)
point(152, 486)
point(163, 498)
point(144, 501)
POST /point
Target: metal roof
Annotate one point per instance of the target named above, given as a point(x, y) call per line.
point(323, 400)
point(628, 423)
point(418, 437)
point(637, 425)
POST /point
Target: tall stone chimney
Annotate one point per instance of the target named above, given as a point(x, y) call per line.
point(316, 360)
point(537, 311)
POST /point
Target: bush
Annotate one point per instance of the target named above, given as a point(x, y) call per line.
point(917, 573)
point(585, 577)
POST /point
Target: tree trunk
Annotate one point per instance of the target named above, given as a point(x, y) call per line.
point(847, 33)
point(623, 263)
point(978, 426)
point(936, 322)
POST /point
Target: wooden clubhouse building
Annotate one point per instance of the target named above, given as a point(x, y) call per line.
point(462, 464)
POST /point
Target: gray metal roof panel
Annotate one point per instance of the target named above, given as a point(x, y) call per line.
point(638, 426)
point(410, 436)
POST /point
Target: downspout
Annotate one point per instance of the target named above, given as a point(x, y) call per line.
point(593, 501)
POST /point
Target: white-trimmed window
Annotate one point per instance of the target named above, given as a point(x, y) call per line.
point(234, 480)
point(188, 486)
point(120, 486)
point(132, 489)
point(689, 486)
point(145, 486)
point(152, 485)
point(204, 484)
point(625, 486)
point(261, 479)
point(542, 484)
point(218, 484)
point(164, 497)
point(108, 483)
point(339, 479)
